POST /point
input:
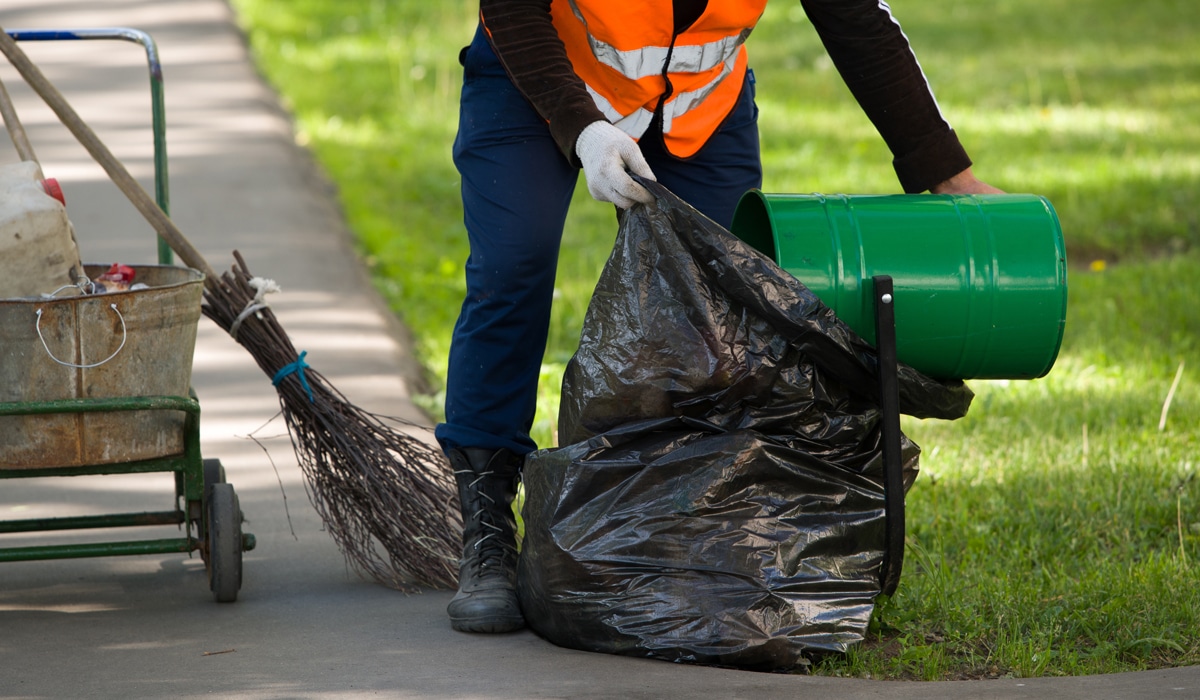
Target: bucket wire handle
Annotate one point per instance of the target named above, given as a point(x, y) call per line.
point(124, 337)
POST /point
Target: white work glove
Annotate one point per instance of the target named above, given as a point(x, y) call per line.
point(606, 153)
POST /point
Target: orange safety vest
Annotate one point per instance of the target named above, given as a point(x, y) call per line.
point(621, 51)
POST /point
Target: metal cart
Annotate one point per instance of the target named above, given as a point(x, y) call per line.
point(206, 508)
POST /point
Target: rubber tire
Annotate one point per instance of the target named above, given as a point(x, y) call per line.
point(214, 473)
point(224, 543)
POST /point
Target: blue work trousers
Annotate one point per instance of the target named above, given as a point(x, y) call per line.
point(516, 189)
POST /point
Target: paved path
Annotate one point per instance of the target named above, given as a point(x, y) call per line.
point(304, 626)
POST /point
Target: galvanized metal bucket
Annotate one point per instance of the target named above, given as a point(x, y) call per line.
point(121, 344)
point(980, 281)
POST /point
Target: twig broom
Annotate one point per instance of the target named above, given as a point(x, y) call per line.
point(387, 498)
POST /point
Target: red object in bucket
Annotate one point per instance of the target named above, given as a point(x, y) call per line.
point(116, 278)
point(118, 273)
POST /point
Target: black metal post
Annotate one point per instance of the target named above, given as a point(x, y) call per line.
point(889, 416)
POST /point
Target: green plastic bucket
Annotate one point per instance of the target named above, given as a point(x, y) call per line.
point(980, 280)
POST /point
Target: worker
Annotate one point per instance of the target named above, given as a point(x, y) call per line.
point(661, 89)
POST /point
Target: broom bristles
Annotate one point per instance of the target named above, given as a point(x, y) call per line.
point(387, 497)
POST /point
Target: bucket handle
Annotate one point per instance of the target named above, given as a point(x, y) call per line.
point(124, 337)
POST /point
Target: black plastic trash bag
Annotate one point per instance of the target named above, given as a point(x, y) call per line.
point(720, 495)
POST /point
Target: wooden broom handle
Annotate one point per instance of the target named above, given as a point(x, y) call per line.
point(13, 124)
point(137, 195)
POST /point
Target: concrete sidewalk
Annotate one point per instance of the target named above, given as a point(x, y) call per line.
point(304, 626)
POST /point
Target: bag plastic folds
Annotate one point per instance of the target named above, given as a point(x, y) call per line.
point(719, 497)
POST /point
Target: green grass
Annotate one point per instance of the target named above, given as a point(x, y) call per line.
point(1056, 528)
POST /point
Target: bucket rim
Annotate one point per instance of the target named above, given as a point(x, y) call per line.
point(190, 276)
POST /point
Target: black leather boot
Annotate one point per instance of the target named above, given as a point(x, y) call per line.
point(487, 597)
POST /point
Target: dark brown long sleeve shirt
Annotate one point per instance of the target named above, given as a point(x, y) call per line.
point(862, 38)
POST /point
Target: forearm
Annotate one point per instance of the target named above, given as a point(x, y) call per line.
point(874, 59)
point(528, 46)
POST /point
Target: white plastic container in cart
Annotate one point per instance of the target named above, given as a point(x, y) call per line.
point(38, 252)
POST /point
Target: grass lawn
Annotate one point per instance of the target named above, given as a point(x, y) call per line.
point(1056, 528)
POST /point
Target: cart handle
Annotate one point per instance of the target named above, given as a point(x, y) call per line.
point(121, 177)
point(162, 193)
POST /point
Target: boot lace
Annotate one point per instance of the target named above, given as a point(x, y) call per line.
point(492, 547)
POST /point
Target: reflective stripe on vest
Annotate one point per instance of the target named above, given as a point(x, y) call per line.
point(684, 102)
point(705, 67)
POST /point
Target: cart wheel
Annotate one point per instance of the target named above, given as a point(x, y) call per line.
point(213, 473)
point(224, 543)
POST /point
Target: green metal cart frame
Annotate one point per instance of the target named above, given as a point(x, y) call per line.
point(206, 506)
